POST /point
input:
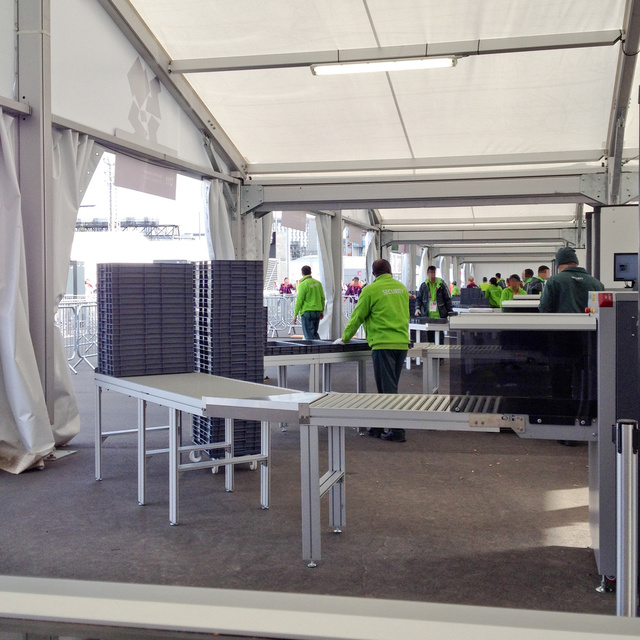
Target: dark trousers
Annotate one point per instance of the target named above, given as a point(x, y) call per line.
point(310, 322)
point(387, 367)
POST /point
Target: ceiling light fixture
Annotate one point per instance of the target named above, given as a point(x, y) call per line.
point(373, 66)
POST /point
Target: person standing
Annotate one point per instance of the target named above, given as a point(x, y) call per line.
point(537, 283)
point(514, 289)
point(527, 277)
point(471, 283)
point(494, 293)
point(500, 281)
point(433, 298)
point(484, 285)
point(455, 290)
point(383, 308)
point(568, 290)
point(309, 304)
point(286, 287)
point(353, 290)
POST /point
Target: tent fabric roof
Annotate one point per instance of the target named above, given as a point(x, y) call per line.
point(515, 109)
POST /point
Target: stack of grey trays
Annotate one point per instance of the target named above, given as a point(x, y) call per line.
point(230, 340)
point(145, 319)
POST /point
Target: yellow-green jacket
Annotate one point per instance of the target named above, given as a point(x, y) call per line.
point(383, 308)
point(310, 296)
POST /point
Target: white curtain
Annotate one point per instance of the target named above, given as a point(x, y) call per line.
point(326, 275)
point(424, 264)
point(217, 224)
point(75, 158)
point(409, 258)
point(372, 254)
point(257, 234)
point(25, 433)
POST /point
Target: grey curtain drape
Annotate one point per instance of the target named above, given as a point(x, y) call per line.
point(75, 158)
point(218, 227)
point(25, 433)
point(326, 275)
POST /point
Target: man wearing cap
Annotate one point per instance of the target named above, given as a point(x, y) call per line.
point(568, 290)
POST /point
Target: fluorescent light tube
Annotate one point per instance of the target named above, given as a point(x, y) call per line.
point(381, 65)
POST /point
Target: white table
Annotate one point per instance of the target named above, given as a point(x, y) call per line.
point(194, 393)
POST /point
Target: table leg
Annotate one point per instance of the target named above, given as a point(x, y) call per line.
point(265, 450)
point(315, 378)
point(337, 503)
point(361, 379)
point(418, 341)
point(310, 485)
point(98, 433)
point(326, 377)
point(282, 382)
point(174, 462)
point(142, 451)
point(228, 453)
point(361, 387)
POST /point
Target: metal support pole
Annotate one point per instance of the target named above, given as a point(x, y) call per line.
point(627, 440)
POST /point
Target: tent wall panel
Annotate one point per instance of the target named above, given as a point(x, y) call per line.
point(7, 48)
point(94, 61)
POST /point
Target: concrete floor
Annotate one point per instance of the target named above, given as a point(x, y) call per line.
point(478, 519)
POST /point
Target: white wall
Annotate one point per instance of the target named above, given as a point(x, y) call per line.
point(7, 48)
point(92, 71)
point(618, 234)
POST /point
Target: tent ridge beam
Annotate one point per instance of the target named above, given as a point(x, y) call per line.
point(459, 49)
point(589, 189)
point(390, 164)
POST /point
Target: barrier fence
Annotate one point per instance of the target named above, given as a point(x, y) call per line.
point(77, 319)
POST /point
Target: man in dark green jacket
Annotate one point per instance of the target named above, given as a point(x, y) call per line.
point(568, 290)
point(309, 304)
point(383, 308)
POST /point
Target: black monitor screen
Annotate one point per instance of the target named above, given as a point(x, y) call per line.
point(625, 266)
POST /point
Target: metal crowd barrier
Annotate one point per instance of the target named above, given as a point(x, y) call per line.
point(77, 319)
point(280, 313)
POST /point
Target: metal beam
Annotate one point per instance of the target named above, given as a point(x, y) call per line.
point(141, 152)
point(561, 236)
point(14, 108)
point(459, 49)
point(145, 43)
point(446, 162)
point(422, 192)
point(35, 148)
point(621, 96)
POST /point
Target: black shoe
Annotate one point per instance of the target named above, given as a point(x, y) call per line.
point(393, 437)
point(374, 433)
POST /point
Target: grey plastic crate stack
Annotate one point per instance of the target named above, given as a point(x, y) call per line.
point(230, 339)
point(145, 319)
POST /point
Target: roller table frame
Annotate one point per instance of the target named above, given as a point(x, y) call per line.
point(189, 393)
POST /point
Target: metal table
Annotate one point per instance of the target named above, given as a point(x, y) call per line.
point(419, 328)
point(320, 367)
point(196, 394)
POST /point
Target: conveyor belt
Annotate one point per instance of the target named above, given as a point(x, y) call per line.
point(408, 402)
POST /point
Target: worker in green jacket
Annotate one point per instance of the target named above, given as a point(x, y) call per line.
point(383, 309)
point(514, 289)
point(494, 293)
point(455, 289)
point(568, 290)
point(309, 304)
